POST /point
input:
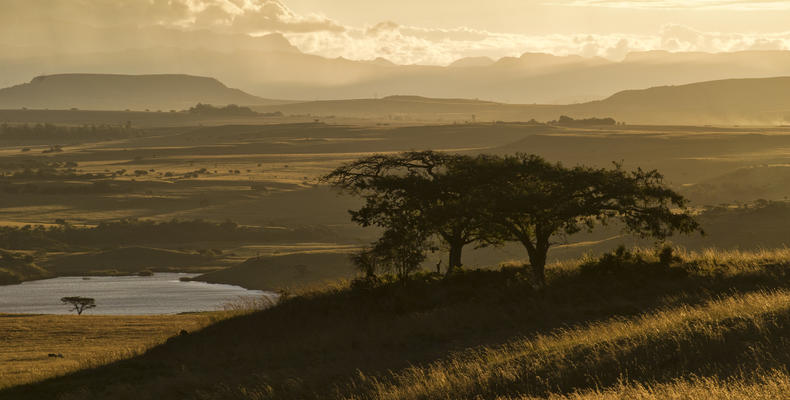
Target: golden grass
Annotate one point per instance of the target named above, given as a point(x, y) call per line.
point(700, 336)
point(705, 261)
point(84, 341)
point(539, 363)
point(772, 385)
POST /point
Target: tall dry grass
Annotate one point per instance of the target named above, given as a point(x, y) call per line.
point(626, 325)
point(667, 343)
point(762, 385)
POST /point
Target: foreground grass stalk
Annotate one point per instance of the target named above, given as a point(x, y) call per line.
point(653, 346)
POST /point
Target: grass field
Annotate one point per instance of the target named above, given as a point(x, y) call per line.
point(709, 324)
point(85, 341)
point(265, 175)
point(713, 323)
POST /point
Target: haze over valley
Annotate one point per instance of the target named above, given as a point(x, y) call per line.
point(302, 199)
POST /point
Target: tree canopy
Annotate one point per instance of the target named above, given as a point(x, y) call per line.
point(79, 304)
point(490, 199)
point(414, 192)
point(531, 201)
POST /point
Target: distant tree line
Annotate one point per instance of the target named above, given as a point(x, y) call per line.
point(50, 132)
point(27, 166)
point(566, 120)
point(231, 110)
point(16, 174)
point(96, 187)
point(133, 231)
point(426, 201)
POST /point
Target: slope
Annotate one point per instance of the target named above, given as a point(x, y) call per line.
point(755, 101)
point(119, 92)
point(478, 333)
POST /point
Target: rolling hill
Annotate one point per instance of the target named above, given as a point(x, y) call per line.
point(120, 92)
point(757, 101)
point(753, 101)
point(760, 101)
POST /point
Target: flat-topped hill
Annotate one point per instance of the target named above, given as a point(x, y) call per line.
point(120, 92)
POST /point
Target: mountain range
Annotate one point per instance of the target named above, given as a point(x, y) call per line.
point(757, 101)
point(271, 67)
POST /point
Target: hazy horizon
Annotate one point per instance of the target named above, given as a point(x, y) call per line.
point(547, 51)
point(369, 200)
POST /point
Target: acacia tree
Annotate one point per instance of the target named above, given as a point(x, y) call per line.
point(419, 188)
point(79, 304)
point(532, 201)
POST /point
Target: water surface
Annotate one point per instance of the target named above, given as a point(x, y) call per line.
point(162, 293)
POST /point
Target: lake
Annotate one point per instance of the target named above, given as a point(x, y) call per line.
point(162, 293)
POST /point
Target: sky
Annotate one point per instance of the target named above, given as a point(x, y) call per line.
point(432, 32)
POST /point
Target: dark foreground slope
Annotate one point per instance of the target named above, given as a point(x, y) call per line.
point(476, 335)
point(121, 92)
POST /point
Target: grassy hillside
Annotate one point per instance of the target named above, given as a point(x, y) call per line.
point(737, 101)
point(625, 323)
point(83, 341)
point(16, 267)
point(127, 260)
point(285, 271)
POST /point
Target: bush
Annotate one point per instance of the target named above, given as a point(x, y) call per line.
point(624, 263)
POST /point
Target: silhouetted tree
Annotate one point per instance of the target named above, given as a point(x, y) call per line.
point(367, 261)
point(418, 187)
point(532, 201)
point(401, 250)
point(79, 304)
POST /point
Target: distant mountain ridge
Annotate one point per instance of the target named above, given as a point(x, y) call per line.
point(758, 101)
point(271, 66)
point(120, 92)
point(761, 101)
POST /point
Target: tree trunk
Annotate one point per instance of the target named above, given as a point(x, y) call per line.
point(538, 253)
point(538, 257)
point(537, 261)
point(455, 256)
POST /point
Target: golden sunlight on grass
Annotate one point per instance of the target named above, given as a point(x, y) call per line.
point(773, 385)
point(632, 347)
point(84, 341)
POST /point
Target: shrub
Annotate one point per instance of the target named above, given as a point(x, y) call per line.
point(624, 263)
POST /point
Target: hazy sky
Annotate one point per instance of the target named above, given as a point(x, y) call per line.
point(419, 31)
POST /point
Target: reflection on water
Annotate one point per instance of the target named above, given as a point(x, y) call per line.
point(161, 293)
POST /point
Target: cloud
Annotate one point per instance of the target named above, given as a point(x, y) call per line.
point(682, 38)
point(416, 45)
point(226, 25)
point(236, 16)
point(681, 4)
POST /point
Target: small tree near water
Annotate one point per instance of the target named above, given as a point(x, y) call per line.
point(79, 304)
